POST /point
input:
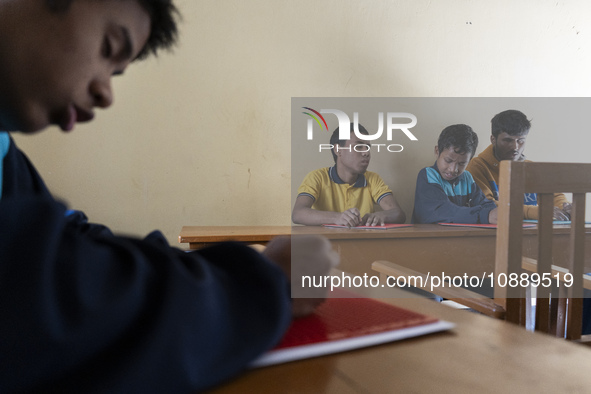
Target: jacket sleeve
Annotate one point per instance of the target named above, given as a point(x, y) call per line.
point(531, 211)
point(482, 177)
point(77, 220)
point(99, 313)
point(433, 206)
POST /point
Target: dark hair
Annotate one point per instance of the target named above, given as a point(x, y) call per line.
point(512, 122)
point(334, 138)
point(163, 21)
point(460, 137)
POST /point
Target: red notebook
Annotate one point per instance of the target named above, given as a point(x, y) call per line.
point(384, 227)
point(342, 324)
point(525, 225)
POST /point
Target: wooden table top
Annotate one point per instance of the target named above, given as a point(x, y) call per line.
point(480, 355)
point(207, 234)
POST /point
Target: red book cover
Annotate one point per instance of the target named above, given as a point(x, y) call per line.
point(384, 227)
point(341, 324)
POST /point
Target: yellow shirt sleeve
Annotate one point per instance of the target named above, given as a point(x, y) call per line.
point(312, 184)
point(377, 185)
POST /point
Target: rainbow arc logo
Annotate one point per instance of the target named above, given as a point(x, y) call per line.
point(318, 115)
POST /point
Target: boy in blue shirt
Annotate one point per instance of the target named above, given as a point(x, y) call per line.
point(446, 192)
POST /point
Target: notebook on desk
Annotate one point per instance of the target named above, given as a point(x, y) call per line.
point(525, 225)
point(554, 222)
point(342, 324)
point(384, 227)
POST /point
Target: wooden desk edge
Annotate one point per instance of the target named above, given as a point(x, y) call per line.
point(263, 234)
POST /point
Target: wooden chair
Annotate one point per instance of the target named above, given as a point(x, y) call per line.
point(559, 313)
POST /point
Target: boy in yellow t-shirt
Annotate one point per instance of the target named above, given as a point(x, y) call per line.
point(346, 193)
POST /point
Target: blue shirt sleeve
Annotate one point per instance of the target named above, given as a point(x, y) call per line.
point(478, 199)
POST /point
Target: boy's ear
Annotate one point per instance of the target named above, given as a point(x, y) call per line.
point(492, 139)
point(436, 151)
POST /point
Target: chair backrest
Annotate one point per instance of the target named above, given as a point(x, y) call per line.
point(545, 179)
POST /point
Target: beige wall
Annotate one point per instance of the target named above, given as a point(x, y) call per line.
point(202, 137)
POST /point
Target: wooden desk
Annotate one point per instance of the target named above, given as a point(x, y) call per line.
point(425, 248)
point(201, 236)
point(481, 355)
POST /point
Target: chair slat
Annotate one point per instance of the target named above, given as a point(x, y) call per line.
point(558, 310)
point(545, 235)
point(577, 261)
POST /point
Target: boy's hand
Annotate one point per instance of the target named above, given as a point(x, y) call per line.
point(374, 219)
point(350, 218)
point(492, 216)
point(560, 214)
point(304, 255)
point(567, 209)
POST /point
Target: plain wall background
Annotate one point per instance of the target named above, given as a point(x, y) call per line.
point(202, 136)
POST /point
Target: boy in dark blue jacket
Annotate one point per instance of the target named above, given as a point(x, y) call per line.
point(446, 192)
point(84, 310)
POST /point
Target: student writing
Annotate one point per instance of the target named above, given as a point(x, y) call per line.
point(84, 310)
point(445, 192)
